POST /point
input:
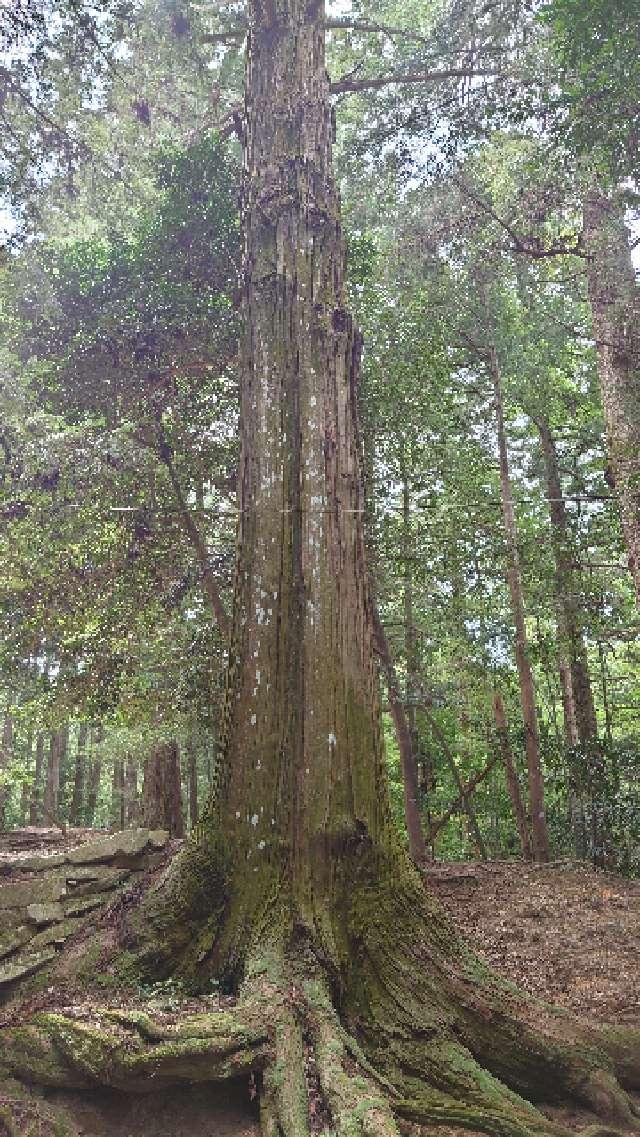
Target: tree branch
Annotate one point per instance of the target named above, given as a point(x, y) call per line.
point(346, 25)
point(341, 86)
point(528, 244)
point(196, 538)
point(439, 823)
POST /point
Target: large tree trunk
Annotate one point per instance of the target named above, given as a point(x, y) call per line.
point(615, 306)
point(523, 664)
point(192, 775)
point(162, 790)
point(351, 983)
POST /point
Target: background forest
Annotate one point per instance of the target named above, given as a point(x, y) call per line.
point(488, 157)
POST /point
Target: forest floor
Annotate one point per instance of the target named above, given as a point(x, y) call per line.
point(564, 932)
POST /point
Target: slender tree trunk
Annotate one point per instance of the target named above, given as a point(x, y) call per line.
point(79, 777)
point(467, 789)
point(131, 805)
point(93, 789)
point(410, 645)
point(6, 749)
point(117, 795)
point(580, 715)
point(614, 297)
point(192, 530)
point(25, 788)
point(57, 750)
point(464, 794)
point(36, 789)
point(513, 784)
point(411, 787)
point(523, 664)
point(162, 790)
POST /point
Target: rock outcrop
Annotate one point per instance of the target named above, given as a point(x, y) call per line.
point(45, 898)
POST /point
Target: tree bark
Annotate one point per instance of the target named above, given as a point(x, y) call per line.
point(614, 297)
point(410, 646)
point(93, 789)
point(302, 768)
point(131, 804)
point(117, 795)
point(161, 806)
point(25, 788)
point(513, 784)
point(192, 758)
point(523, 664)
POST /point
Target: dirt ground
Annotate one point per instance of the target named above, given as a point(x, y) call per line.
point(567, 933)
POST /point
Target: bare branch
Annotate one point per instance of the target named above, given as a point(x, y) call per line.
point(350, 85)
point(232, 35)
point(365, 26)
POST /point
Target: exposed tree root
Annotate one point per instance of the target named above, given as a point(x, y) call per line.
point(407, 1029)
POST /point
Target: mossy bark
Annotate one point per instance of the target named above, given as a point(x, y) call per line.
point(354, 994)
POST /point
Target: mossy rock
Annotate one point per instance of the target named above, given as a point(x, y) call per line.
point(24, 965)
point(125, 846)
point(44, 913)
point(38, 890)
point(15, 939)
point(56, 934)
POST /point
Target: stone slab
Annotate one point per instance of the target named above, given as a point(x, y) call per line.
point(17, 938)
point(38, 863)
point(158, 838)
point(24, 965)
point(128, 843)
point(10, 918)
point(44, 913)
point(87, 880)
point(55, 935)
point(82, 907)
point(38, 890)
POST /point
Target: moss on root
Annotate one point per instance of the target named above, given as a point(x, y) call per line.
point(400, 1023)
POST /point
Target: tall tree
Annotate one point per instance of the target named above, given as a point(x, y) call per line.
point(525, 673)
point(615, 303)
point(296, 890)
